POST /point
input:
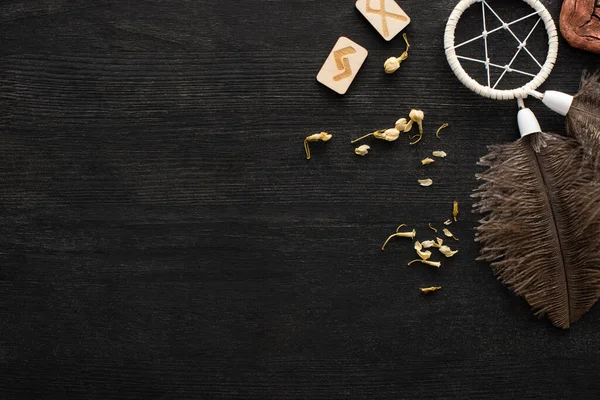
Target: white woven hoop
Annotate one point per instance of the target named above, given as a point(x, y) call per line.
point(486, 91)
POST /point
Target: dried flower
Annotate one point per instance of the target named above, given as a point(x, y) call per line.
point(432, 228)
point(417, 116)
point(455, 210)
point(426, 290)
point(323, 136)
point(362, 150)
point(427, 244)
point(390, 135)
point(437, 133)
point(447, 251)
point(436, 264)
point(439, 241)
point(401, 124)
point(441, 154)
point(448, 234)
point(392, 64)
point(411, 235)
point(425, 255)
point(425, 182)
point(427, 161)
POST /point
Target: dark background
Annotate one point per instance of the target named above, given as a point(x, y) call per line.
point(163, 237)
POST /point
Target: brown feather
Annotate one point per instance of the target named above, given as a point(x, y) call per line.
point(583, 119)
point(541, 227)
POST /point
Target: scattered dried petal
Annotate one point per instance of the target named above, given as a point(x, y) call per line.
point(449, 234)
point(447, 251)
point(426, 290)
point(408, 126)
point(428, 244)
point(436, 264)
point(432, 228)
point(401, 124)
point(439, 153)
point(323, 136)
point(427, 160)
point(362, 150)
point(425, 255)
point(425, 182)
point(437, 133)
point(391, 65)
point(447, 222)
point(400, 234)
point(439, 241)
point(455, 210)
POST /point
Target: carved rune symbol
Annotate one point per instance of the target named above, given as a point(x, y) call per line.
point(342, 63)
point(384, 15)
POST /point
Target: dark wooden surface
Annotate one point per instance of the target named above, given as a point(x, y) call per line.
point(163, 237)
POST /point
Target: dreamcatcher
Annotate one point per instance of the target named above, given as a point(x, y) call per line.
point(539, 196)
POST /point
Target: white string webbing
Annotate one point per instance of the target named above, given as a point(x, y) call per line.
point(490, 90)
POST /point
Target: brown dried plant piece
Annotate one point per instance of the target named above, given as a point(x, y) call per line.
point(431, 289)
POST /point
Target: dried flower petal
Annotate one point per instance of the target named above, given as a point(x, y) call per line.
point(408, 126)
point(323, 136)
point(428, 244)
point(436, 264)
point(362, 150)
point(447, 251)
point(432, 228)
point(411, 235)
point(401, 124)
point(425, 255)
point(455, 209)
point(447, 222)
point(391, 65)
point(449, 234)
point(439, 241)
point(427, 160)
point(391, 134)
point(426, 290)
point(438, 153)
point(425, 182)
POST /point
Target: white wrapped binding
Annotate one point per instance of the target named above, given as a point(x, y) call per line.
point(489, 91)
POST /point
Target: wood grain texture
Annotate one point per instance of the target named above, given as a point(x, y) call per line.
point(163, 237)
